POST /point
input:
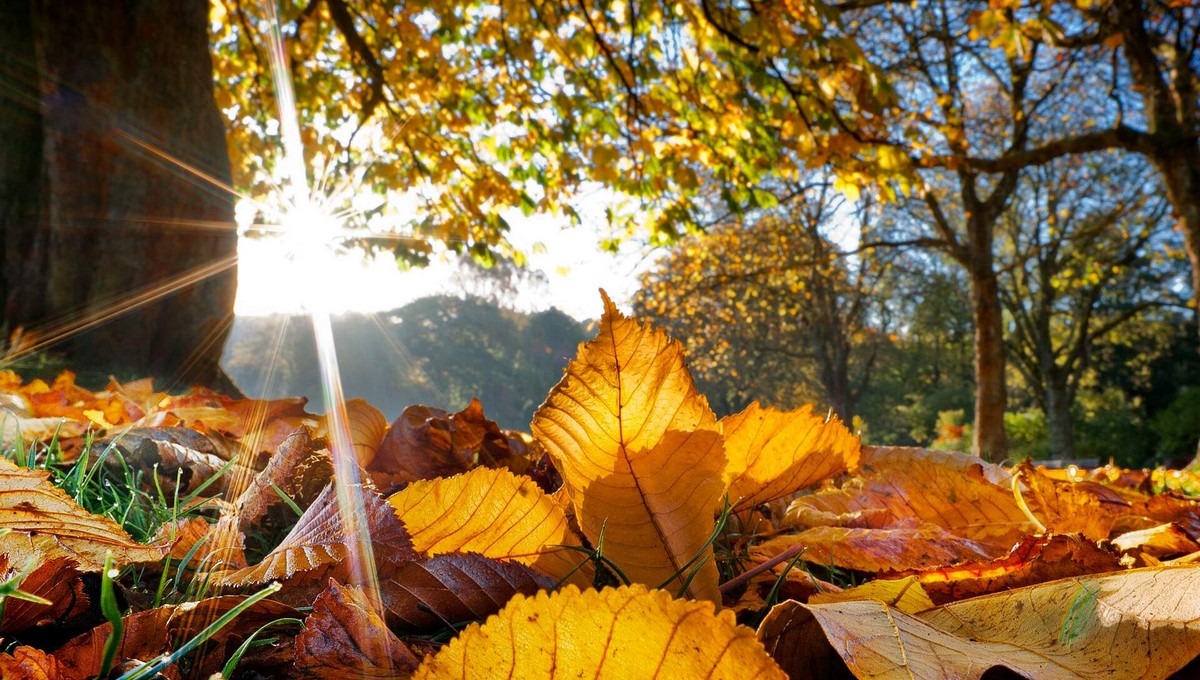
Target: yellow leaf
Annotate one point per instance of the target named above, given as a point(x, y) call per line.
point(367, 426)
point(773, 454)
point(639, 452)
point(41, 523)
point(494, 513)
point(627, 632)
point(905, 594)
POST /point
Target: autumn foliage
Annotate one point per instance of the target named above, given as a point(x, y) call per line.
point(631, 534)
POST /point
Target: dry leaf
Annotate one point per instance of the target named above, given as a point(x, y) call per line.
point(910, 545)
point(29, 663)
point(905, 594)
point(613, 633)
point(773, 454)
point(494, 513)
point(1037, 559)
point(345, 638)
point(426, 442)
point(640, 454)
point(1163, 541)
point(1136, 624)
point(425, 594)
point(55, 580)
point(367, 426)
point(321, 544)
point(300, 470)
point(152, 632)
point(44, 523)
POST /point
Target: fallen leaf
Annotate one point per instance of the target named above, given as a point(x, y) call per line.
point(494, 513)
point(910, 545)
point(1135, 624)
point(29, 663)
point(300, 470)
point(613, 633)
point(904, 594)
point(426, 442)
point(150, 633)
point(321, 544)
point(772, 454)
point(55, 580)
point(175, 453)
point(44, 523)
point(424, 595)
point(1036, 559)
point(640, 454)
point(345, 638)
point(367, 427)
point(1161, 542)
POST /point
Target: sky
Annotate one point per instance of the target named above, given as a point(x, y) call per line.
point(571, 259)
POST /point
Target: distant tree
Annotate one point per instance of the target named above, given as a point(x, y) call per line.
point(1087, 251)
point(770, 309)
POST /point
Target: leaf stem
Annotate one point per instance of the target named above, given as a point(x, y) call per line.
point(792, 551)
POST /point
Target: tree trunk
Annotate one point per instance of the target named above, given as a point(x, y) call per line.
point(989, 439)
point(117, 223)
point(1058, 418)
point(1180, 169)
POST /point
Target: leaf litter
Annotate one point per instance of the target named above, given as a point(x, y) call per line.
point(631, 533)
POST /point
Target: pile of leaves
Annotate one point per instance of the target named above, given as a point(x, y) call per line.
point(630, 534)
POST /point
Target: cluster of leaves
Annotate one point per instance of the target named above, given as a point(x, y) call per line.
point(632, 531)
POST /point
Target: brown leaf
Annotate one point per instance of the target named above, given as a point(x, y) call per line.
point(152, 632)
point(910, 508)
point(910, 545)
point(345, 638)
point(300, 469)
point(55, 580)
point(425, 594)
point(1099, 511)
point(904, 594)
point(29, 663)
point(223, 544)
point(321, 543)
point(179, 453)
point(44, 523)
point(1161, 542)
point(1036, 559)
point(426, 442)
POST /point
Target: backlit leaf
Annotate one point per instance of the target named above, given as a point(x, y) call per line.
point(29, 663)
point(639, 452)
point(491, 512)
point(627, 632)
point(320, 544)
point(773, 454)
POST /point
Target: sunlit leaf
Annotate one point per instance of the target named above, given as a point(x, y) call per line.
point(321, 543)
point(427, 442)
point(639, 452)
point(494, 513)
point(904, 594)
point(613, 633)
point(43, 523)
point(773, 454)
point(29, 663)
point(1126, 625)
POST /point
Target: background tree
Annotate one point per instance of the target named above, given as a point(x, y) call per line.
point(100, 232)
point(771, 310)
point(1085, 244)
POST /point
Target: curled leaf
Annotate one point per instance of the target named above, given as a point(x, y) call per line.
point(613, 633)
point(345, 638)
point(640, 454)
point(426, 442)
point(321, 543)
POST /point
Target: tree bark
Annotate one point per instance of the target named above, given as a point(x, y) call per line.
point(1180, 169)
point(1058, 417)
point(115, 221)
point(989, 440)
